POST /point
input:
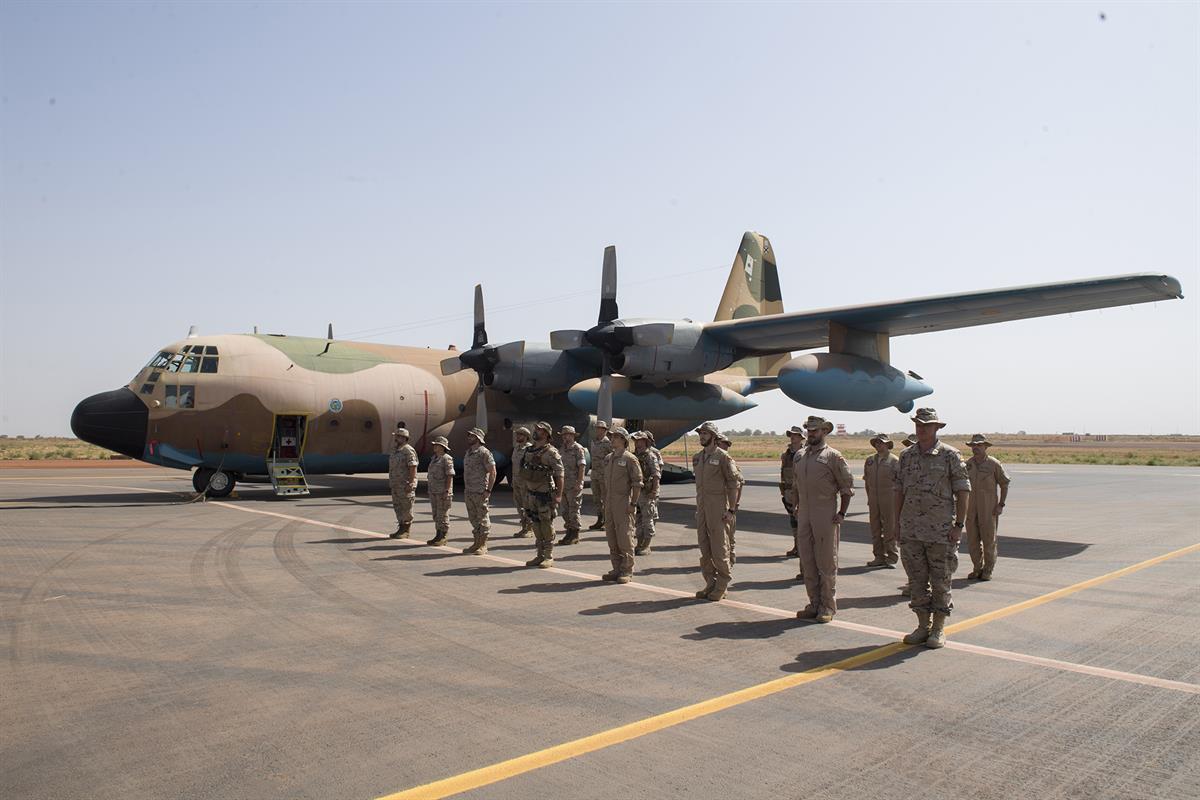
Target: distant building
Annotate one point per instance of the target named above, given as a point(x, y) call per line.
point(841, 430)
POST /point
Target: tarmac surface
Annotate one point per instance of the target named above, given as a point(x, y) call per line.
point(261, 647)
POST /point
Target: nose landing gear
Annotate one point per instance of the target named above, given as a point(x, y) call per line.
point(213, 482)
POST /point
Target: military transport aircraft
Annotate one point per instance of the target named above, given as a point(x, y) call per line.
point(241, 405)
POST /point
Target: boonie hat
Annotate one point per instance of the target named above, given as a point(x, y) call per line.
point(978, 438)
point(522, 430)
point(818, 424)
point(723, 439)
point(601, 424)
point(908, 441)
point(927, 416)
point(567, 429)
point(442, 441)
point(638, 435)
point(544, 426)
point(796, 430)
point(619, 431)
point(402, 432)
point(882, 437)
point(711, 427)
point(478, 434)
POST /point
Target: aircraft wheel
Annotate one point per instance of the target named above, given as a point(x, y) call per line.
point(216, 483)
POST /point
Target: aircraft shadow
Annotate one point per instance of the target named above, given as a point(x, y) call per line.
point(118, 500)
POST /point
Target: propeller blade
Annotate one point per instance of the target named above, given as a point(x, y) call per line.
point(451, 365)
point(481, 414)
point(604, 399)
point(566, 340)
point(479, 339)
point(512, 351)
point(653, 334)
point(608, 287)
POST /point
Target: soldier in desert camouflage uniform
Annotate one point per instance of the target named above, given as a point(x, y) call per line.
point(440, 476)
point(520, 443)
point(479, 476)
point(931, 493)
point(574, 459)
point(647, 503)
point(402, 478)
point(599, 448)
point(541, 470)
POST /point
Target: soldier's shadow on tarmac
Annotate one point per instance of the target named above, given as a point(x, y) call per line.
point(640, 606)
point(471, 572)
point(410, 556)
point(814, 659)
point(743, 629)
point(552, 588)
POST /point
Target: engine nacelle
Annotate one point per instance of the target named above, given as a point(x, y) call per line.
point(539, 371)
point(841, 382)
point(639, 400)
point(689, 355)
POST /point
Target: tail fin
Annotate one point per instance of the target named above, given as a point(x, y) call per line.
point(751, 291)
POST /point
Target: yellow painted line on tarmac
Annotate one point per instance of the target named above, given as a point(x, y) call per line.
point(598, 741)
point(1034, 602)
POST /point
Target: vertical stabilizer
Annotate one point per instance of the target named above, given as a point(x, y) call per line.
point(751, 291)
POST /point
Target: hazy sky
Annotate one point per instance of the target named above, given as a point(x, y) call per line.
point(286, 165)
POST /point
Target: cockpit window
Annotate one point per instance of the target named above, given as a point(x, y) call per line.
point(209, 364)
point(211, 350)
point(159, 361)
point(180, 397)
point(190, 364)
point(173, 364)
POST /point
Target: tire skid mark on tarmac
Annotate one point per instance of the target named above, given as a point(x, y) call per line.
point(229, 575)
point(285, 552)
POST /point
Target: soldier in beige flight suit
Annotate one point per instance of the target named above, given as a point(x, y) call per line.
point(440, 477)
point(932, 490)
point(520, 443)
point(649, 459)
point(402, 478)
point(878, 472)
point(574, 459)
point(716, 499)
point(599, 448)
point(542, 471)
point(984, 510)
point(822, 477)
point(622, 484)
point(479, 476)
point(724, 443)
point(787, 481)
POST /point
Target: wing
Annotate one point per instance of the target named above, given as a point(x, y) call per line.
point(775, 333)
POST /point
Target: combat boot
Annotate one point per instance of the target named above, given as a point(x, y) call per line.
point(825, 616)
point(598, 525)
point(937, 636)
point(571, 537)
point(643, 547)
point(401, 532)
point(921, 634)
point(808, 612)
point(524, 533)
point(703, 593)
point(973, 574)
point(717, 593)
point(877, 562)
point(439, 538)
point(609, 576)
point(985, 576)
point(793, 553)
point(906, 591)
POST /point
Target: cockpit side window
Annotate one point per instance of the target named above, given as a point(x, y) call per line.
point(159, 361)
point(191, 363)
point(173, 364)
point(179, 396)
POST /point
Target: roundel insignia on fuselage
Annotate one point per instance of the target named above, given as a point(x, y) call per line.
point(335, 405)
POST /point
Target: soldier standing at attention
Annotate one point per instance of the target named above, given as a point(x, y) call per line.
point(479, 476)
point(931, 489)
point(724, 443)
point(878, 472)
point(647, 501)
point(574, 459)
point(787, 481)
point(441, 488)
point(822, 476)
point(520, 443)
point(622, 485)
point(984, 510)
point(542, 474)
point(402, 477)
point(716, 501)
point(599, 448)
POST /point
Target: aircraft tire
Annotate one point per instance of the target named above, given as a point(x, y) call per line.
point(214, 483)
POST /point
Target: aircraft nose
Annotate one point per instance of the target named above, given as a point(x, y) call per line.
point(116, 420)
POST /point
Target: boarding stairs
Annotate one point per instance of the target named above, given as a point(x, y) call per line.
point(288, 478)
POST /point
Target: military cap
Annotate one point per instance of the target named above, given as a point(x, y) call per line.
point(927, 416)
point(601, 424)
point(711, 427)
point(442, 441)
point(723, 439)
point(883, 437)
point(545, 426)
point(568, 429)
point(478, 434)
point(521, 430)
point(638, 435)
point(796, 430)
point(978, 438)
point(908, 441)
point(402, 432)
point(818, 423)
point(619, 431)
point(649, 436)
